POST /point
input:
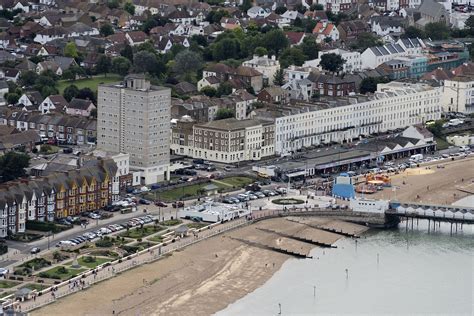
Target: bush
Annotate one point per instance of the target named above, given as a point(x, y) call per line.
point(106, 242)
point(90, 259)
point(46, 226)
point(62, 270)
point(3, 249)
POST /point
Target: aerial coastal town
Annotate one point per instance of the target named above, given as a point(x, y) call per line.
point(170, 151)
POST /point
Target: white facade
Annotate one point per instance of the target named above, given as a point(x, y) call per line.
point(46, 106)
point(372, 57)
point(258, 12)
point(458, 95)
point(266, 66)
point(382, 30)
point(352, 62)
point(394, 105)
point(134, 118)
point(369, 206)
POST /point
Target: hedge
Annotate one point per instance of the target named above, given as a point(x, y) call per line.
point(46, 226)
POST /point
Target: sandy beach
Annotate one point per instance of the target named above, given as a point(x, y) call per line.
point(201, 279)
point(434, 185)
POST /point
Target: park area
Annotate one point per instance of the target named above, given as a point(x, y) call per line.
point(196, 190)
point(90, 83)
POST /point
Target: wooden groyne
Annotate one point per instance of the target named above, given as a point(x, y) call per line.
point(330, 230)
point(276, 249)
point(298, 238)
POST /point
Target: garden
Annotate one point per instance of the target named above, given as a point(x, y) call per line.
point(61, 273)
point(91, 83)
point(138, 232)
point(288, 201)
point(33, 265)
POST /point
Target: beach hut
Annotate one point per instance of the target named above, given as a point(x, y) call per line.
point(23, 294)
point(181, 231)
point(211, 189)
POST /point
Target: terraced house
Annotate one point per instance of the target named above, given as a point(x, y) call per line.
point(55, 196)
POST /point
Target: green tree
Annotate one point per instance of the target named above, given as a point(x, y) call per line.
point(103, 65)
point(246, 4)
point(145, 61)
point(369, 84)
point(209, 91)
point(470, 22)
point(292, 56)
point(413, 32)
point(12, 166)
point(113, 4)
point(216, 16)
point(436, 128)
point(224, 113)
point(366, 40)
point(201, 40)
point(275, 41)
point(121, 65)
point(279, 77)
point(70, 50)
point(310, 48)
point(226, 48)
point(437, 31)
point(316, 7)
point(127, 52)
point(130, 8)
point(332, 62)
point(260, 51)
point(224, 88)
point(280, 10)
point(87, 94)
point(70, 92)
point(12, 98)
point(106, 30)
point(27, 78)
point(187, 63)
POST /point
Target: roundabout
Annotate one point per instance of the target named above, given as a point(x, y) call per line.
point(288, 201)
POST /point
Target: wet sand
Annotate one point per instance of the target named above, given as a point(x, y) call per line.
point(199, 280)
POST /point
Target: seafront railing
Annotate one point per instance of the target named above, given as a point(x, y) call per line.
point(110, 269)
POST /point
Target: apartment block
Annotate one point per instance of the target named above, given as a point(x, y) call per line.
point(393, 106)
point(228, 141)
point(134, 118)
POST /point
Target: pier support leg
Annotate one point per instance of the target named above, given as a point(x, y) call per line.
point(406, 224)
point(412, 223)
point(417, 222)
point(451, 233)
point(429, 225)
point(456, 228)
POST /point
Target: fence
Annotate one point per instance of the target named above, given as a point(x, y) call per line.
point(110, 269)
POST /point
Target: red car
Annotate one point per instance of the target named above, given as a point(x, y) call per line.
point(160, 204)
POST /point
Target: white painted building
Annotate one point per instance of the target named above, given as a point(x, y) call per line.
point(265, 65)
point(353, 61)
point(458, 95)
point(372, 57)
point(394, 105)
point(258, 12)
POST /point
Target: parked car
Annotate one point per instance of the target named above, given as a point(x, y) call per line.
point(160, 204)
point(144, 202)
point(35, 250)
point(94, 216)
point(177, 204)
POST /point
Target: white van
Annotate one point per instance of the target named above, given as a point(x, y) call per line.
point(416, 158)
point(464, 148)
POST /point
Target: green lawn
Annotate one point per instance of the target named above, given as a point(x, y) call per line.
point(177, 194)
point(4, 284)
point(441, 143)
point(156, 238)
point(36, 264)
point(90, 264)
point(91, 83)
point(5, 294)
point(237, 181)
point(141, 232)
point(171, 222)
point(35, 286)
point(61, 273)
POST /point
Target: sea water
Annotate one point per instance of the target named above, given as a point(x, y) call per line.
point(395, 272)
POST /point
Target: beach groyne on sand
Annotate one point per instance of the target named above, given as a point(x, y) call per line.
point(204, 277)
